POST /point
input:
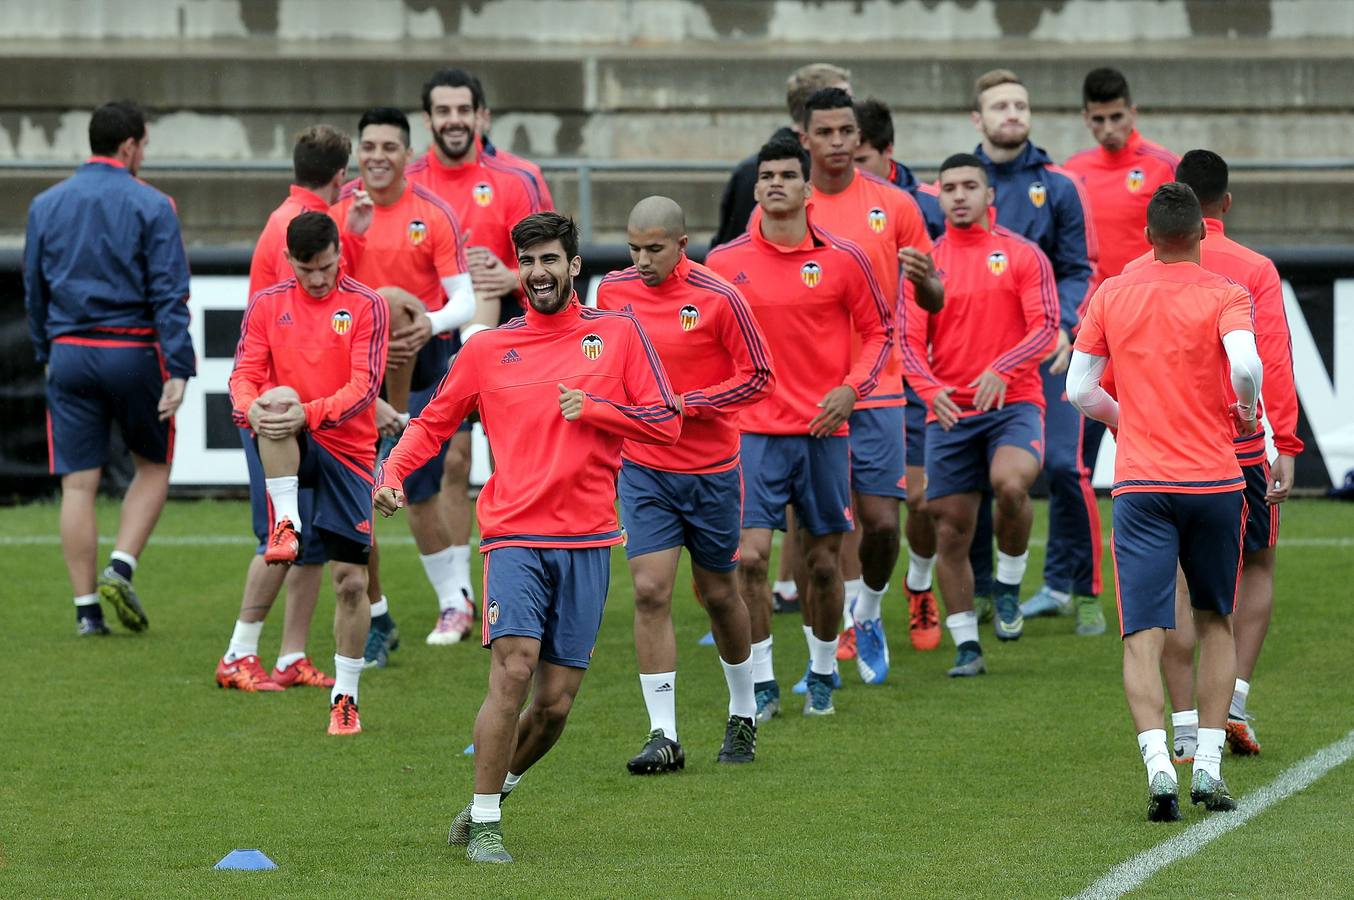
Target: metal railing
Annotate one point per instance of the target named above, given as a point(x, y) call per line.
point(584, 168)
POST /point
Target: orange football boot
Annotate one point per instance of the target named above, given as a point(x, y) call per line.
point(343, 716)
point(846, 644)
point(923, 621)
point(303, 673)
point(283, 544)
point(245, 674)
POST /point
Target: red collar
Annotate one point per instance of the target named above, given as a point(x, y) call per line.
point(105, 160)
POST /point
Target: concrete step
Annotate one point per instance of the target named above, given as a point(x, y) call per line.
point(1271, 208)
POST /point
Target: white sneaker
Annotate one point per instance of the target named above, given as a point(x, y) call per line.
point(453, 624)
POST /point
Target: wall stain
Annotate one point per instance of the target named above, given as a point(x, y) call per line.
point(1239, 18)
point(260, 16)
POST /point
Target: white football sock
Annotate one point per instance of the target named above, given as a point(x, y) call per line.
point(919, 571)
point(762, 670)
point(510, 782)
point(1208, 756)
point(244, 641)
point(290, 658)
point(1061, 596)
point(1011, 569)
point(787, 589)
point(124, 556)
point(1185, 723)
point(739, 678)
point(850, 591)
point(1239, 695)
point(1152, 744)
point(822, 655)
point(808, 635)
point(346, 673)
point(381, 608)
point(868, 602)
point(283, 493)
point(87, 600)
point(963, 627)
point(460, 567)
point(660, 697)
point(440, 567)
point(485, 809)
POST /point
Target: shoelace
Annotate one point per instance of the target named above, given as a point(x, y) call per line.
point(924, 613)
point(744, 738)
point(282, 534)
point(347, 711)
point(253, 672)
point(491, 841)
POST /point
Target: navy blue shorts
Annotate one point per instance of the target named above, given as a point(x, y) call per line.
point(878, 457)
point(703, 513)
point(959, 461)
point(1152, 531)
point(425, 482)
point(555, 595)
point(340, 506)
point(1262, 520)
point(312, 552)
point(813, 474)
point(94, 382)
point(914, 415)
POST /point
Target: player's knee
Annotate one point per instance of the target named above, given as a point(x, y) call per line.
point(916, 503)
point(753, 561)
point(456, 465)
point(350, 584)
point(823, 566)
point(280, 394)
point(552, 712)
point(1010, 491)
point(951, 533)
point(516, 670)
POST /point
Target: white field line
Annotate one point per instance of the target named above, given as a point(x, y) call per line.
point(1130, 875)
point(213, 540)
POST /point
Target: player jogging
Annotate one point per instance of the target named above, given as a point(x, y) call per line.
point(1172, 330)
point(1267, 484)
point(808, 290)
point(690, 494)
point(106, 290)
point(885, 223)
point(976, 364)
point(307, 370)
point(558, 391)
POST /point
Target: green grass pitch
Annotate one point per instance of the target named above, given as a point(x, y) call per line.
point(125, 772)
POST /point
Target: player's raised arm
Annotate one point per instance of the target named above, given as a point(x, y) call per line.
point(651, 413)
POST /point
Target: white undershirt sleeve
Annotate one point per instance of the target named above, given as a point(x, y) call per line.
point(1084, 390)
point(460, 306)
point(1247, 371)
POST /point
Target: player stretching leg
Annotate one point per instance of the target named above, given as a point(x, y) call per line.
point(1267, 485)
point(801, 281)
point(108, 317)
point(1172, 329)
point(976, 364)
point(307, 369)
point(548, 512)
point(691, 494)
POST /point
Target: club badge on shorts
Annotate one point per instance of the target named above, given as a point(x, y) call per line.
point(1135, 180)
point(996, 262)
point(689, 316)
point(1038, 194)
point(811, 274)
point(341, 321)
point(417, 231)
point(592, 346)
point(483, 193)
point(878, 220)
point(492, 614)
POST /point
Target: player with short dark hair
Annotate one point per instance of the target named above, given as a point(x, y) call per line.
point(874, 154)
point(887, 225)
point(690, 494)
point(812, 293)
point(976, 363)
point(558, 390)
point(1267, 484)
point(106, 290)
point(307, 372)
point(415, 259)
point(1044, 203)
point(1174, 332)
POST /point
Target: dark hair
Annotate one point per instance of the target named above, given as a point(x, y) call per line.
point(876, 124)
point(543, 227)
point(114, 123)
point(826, 98)
point(784, 147)
point(1105, 85)
point(454, 78)
point(1174, 213)
point(310, 234)
point(1206, 174)
point(384, 115)
point(321, 152)
point(962, 161)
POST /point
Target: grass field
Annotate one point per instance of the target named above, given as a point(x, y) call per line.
point(124, 771)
